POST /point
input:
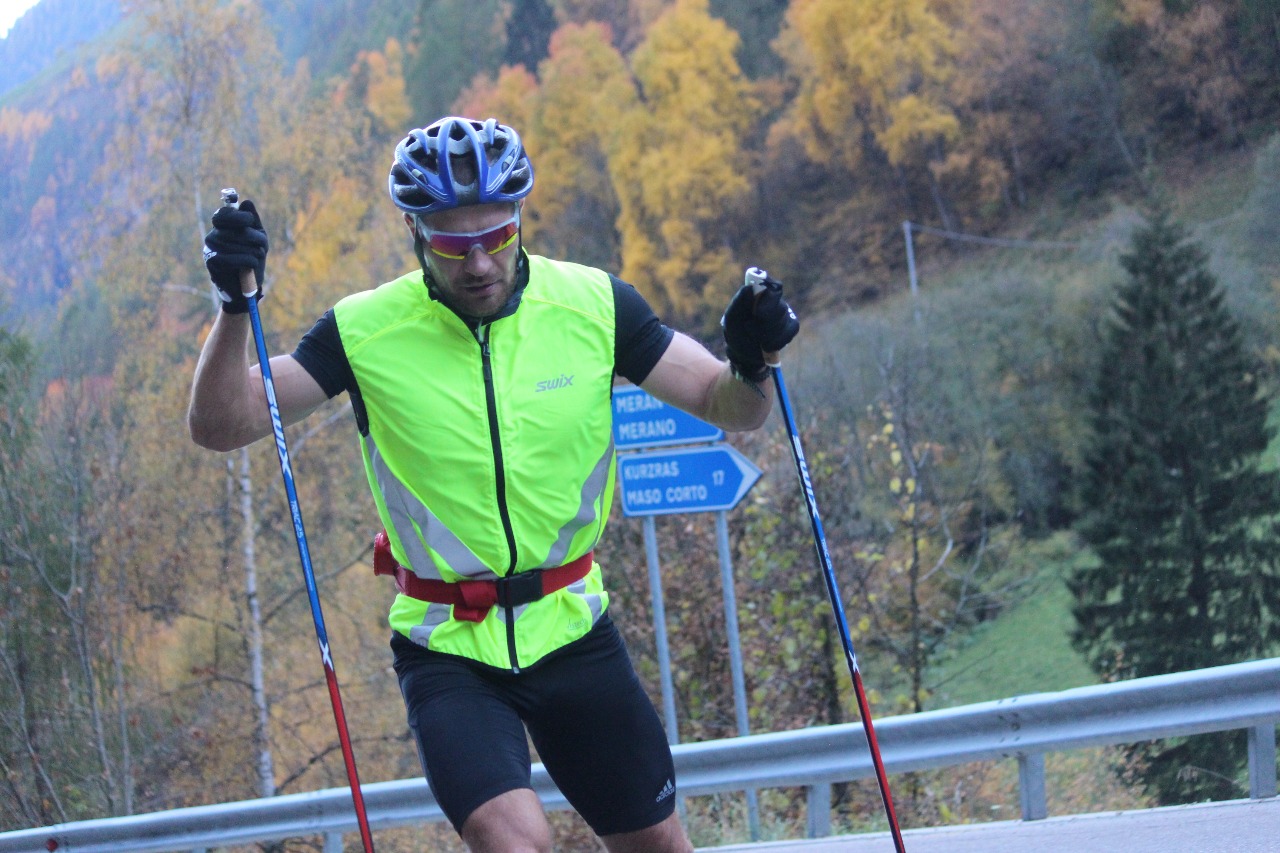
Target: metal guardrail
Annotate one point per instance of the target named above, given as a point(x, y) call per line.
point(1238, 696)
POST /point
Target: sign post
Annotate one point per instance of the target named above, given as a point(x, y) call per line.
point(707, 478)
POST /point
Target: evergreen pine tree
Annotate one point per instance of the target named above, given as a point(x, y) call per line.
point(1180, 514)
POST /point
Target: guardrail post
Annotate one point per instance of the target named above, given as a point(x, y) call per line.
point(1262, 762)
point(818, 801)
point(1031, 786)
point(333, 842)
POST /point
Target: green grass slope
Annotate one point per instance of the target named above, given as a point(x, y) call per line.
point(1229, 205)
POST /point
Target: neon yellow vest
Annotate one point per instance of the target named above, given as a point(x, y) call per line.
point(485, 443)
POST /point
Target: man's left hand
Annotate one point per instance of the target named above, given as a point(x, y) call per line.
point(757, 322)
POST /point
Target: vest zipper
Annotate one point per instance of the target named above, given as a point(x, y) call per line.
point(500, 478)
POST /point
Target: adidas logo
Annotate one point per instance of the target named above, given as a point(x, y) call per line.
point(667, 790)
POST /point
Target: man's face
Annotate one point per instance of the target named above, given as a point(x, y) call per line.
point(478, 283)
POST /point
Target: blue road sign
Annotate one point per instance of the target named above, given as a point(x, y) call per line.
point(642, 420)
point(686, 479)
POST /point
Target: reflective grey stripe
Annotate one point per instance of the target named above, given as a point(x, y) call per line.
point(593, 601)
point(409, 515)
point(436, 615)
point(592, 490)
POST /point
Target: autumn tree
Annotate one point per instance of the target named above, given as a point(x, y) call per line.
point(211, 117)
point(681, 163)
point(935, 547)
point(573, 116)
point(1003, 62)
point(628, 20)
point(456, 40)
point(377, 82)
point(1180, 512)
point(662, 142)
point(70, 719)
point(875, 73)
point(1179, 60)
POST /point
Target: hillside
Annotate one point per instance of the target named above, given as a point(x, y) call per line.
point(1042, 291)
point(50, 32)
point(154, 620)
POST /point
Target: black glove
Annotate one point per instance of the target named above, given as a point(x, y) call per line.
point(757, 321)
point(237, 242)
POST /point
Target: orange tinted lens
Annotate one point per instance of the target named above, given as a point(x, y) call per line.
point(456, 246)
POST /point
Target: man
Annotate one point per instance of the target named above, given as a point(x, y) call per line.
point(481, 390)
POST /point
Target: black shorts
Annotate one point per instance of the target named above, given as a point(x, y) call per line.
point(594, 728)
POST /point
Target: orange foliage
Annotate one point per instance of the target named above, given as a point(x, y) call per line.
point(1191, 54)
point(508, 98)
point(22, 128)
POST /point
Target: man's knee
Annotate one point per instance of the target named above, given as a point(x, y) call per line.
point(665, 837)
point(509, 823)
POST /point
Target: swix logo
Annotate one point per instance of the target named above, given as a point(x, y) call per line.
point(561, 381)
point(804, 467)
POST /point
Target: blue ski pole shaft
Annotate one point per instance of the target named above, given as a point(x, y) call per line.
point(229, 196)
point(759, 279)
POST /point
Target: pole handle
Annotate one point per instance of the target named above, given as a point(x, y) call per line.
point(758, 280)
point(248, 284)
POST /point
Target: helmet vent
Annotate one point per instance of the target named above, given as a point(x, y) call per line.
point(456, 162)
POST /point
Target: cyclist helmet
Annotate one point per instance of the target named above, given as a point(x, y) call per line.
point(456, 162)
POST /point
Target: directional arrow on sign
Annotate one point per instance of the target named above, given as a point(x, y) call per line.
point(642, 420)
point(689, 479)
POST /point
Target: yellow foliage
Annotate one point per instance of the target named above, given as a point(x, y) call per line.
point(867, 66)
point(22, 128)
point(681, 161)
point(913, 123)
point(631, 17)
point(326, 258)
point(658, 145)
point(512, 98)
point(384, 87)
point(567, 122)
point(508, 98)
point(586, 95)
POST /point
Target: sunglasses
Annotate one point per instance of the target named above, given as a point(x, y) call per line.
point(456, 245)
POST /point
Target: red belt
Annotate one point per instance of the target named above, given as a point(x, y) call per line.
point(472, 600)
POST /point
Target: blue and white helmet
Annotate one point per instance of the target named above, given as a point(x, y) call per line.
point(423, 180)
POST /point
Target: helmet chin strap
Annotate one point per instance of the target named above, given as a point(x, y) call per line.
point(419, 249)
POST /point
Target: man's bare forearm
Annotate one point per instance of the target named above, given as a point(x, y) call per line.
point(226, 410)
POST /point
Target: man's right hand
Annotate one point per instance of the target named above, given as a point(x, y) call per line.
point(237, 243)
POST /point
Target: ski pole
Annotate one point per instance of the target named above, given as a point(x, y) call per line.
point(759, 280)
point(231, 198)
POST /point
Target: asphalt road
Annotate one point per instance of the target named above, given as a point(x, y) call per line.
point(1239, 826)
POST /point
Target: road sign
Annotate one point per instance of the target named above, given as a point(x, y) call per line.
point(642, 420)
point(686, 479)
